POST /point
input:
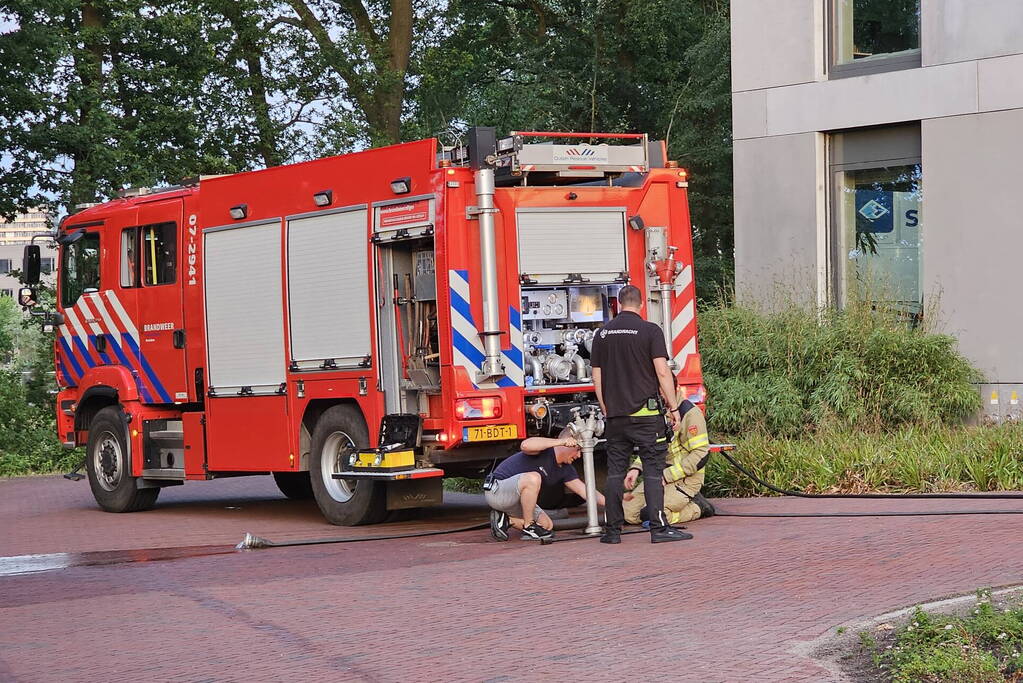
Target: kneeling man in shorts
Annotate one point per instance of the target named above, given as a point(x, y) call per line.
point(513, 487)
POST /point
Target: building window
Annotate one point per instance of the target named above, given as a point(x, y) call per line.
point(877, 220)
point(7, 292)
point(46, 265)
point(871, 36)
point(5, 266)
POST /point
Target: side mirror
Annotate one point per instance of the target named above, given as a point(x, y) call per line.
point(27, 298)
point(52, 321)
point(30, 265)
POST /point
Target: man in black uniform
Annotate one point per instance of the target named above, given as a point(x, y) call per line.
point(630, 368)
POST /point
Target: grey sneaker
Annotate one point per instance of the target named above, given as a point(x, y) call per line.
point(499, 525)
point(535, 532)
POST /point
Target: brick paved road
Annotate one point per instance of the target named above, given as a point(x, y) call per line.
point(734, 604)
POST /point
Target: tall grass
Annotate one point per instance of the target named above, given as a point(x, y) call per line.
point(795, 371)
point(909, 459)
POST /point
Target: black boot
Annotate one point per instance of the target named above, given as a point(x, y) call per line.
point(706, 509)
point(612, 536)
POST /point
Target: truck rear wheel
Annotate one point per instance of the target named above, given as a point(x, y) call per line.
point(108, 462)
point(294, 485)
point(340, 431)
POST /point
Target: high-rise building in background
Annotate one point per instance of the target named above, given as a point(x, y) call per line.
point(21, 229)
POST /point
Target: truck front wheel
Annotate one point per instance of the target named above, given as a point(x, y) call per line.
point(339, 432)
point(294, 485)
point(108, 462)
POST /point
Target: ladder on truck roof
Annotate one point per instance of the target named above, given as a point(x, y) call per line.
point(518, 161)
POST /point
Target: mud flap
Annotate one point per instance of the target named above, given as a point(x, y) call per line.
point(414, 493)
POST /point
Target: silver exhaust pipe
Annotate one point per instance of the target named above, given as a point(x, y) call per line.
point(491, 333)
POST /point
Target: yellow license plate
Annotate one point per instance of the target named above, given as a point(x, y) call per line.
point(490, 433)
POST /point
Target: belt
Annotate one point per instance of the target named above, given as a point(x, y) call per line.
point(645, 412)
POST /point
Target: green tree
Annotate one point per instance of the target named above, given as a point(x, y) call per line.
point(655, 66)
point(98, 95)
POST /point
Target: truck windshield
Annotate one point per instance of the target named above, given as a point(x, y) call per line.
point(79, 268)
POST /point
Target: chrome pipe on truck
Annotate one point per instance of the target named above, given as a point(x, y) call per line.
point(666, 271)
point(587, 430)
point(664, 291)
point(491, 333)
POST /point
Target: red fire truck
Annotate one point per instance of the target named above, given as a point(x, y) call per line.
point(360, 326)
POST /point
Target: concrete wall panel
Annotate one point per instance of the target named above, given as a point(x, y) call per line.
point(1000, 83)
point(749, 114)
point(774, 42)
point(958, 30)
point(972, 238)
point(909, 95)
point(777, 212)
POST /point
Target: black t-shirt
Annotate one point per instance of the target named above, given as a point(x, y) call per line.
point(624, 350)
point(551, 472)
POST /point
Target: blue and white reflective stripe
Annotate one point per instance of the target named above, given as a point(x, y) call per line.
point(112, 339)
point(70, 355)
point(97, 331)
point(78, 337)
point(513, 355)
point(130, 334)
point(154, 380)
point(467, 347)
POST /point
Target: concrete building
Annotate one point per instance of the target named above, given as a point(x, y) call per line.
point(21, 229)
point(10, 259)
point(878, 151)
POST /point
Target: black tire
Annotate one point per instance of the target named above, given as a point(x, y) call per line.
point(108, 462)
point(294, 485)
point(343, 502)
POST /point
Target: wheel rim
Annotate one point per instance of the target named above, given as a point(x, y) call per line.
point(107, 461)
point(334, 457)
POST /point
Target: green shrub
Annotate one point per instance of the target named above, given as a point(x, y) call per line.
point(986, 645)
point(784, 373)
point(28, 440)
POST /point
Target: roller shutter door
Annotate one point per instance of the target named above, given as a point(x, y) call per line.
point(554, 243)
point(328, 282)
point(244, 316)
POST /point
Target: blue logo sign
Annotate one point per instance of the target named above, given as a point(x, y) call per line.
point(874, 211)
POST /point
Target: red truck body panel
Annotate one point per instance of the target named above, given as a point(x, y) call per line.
point(149, 343)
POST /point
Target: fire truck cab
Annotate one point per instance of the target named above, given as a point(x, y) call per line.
point(362, 325)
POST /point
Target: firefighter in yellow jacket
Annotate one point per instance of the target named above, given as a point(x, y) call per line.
point(683, 473)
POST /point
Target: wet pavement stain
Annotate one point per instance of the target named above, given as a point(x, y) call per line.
point(29, 564)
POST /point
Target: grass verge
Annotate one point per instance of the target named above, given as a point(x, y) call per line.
point(984, 645)
point(910, 459)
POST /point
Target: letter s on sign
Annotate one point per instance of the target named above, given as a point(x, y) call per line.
point(912, 218)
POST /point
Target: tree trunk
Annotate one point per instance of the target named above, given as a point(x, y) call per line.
point(251, 53)
point(89, 68)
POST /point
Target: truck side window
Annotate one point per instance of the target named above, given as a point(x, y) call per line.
point(79, 268)
point(130, 257)
point(159, 253)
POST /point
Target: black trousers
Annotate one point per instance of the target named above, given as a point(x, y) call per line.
point(624, 433)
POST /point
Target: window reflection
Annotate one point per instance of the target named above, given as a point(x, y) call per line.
point(875, 29)
point(881, 216)
point(79, 268)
